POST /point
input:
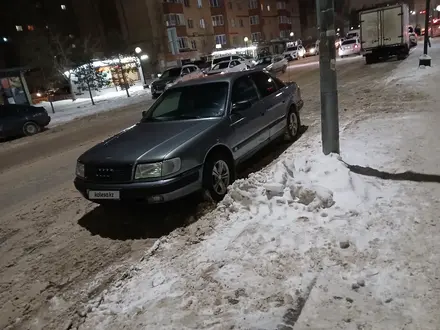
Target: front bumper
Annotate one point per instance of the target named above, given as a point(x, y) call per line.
point(347, 52)
point(157, 89)
point(160, 191)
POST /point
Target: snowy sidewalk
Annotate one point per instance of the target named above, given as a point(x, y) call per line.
point(311, 241)
point(106, 100)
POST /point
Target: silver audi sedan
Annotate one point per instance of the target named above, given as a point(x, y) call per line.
point(191, 139)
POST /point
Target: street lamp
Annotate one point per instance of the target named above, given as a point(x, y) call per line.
point(141, 57)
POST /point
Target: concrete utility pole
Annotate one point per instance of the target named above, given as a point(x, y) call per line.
point(425, 59)
point(327, 68)
point(428, 11)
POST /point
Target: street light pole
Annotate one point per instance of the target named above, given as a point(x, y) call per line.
point(139, 55)
point(426, 39)
point(327, 68)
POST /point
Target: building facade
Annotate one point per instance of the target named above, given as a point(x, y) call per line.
point(195, 28)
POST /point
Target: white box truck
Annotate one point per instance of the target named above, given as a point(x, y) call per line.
point(384, 32)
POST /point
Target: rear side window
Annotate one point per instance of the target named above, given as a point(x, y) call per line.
point(348, 42)
point(265, 83)
point(244, 90)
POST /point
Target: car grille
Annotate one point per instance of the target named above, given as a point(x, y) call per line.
point(158, 87)
point(106, 173)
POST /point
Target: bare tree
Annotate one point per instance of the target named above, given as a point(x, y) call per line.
point(57, 55)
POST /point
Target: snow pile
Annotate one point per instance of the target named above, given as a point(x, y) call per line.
point(271, 237)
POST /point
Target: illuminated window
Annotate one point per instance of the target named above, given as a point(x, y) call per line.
point(63, 7)
point(31, 27)
point(19, 28)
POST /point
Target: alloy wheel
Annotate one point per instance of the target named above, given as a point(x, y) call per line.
point(293, 123)
point(220, 177)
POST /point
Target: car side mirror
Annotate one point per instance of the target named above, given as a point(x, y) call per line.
point(241, 106)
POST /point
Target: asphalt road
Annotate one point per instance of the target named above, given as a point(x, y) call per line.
point(53, 242)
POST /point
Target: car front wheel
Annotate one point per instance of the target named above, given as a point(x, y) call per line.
point(293, 125)
point(30, 128)
point(218, 174)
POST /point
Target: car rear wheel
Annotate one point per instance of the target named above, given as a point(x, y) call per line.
point(293, 125)
point(218, 174)
point(30, 128)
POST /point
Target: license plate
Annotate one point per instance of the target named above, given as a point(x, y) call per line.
point(103, 194)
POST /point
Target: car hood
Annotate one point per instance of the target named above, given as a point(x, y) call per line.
point(217, 71)
point(164, 81)
point(146, 142)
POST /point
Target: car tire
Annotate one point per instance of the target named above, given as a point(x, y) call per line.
point(154, 96)
point(31, 128)
point(218, 174)
point(293, 125)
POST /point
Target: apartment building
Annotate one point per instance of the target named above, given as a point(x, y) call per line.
point(197, 27)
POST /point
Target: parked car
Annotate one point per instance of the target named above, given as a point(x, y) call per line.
point(245, 59)
point(272, 64)
point(19, 120)
point(227, 66)
point(173, 76)
point(294, 53)
point(350, 47)
point(191, 139)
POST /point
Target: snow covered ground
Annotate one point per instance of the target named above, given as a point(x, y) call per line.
point(106, 100)
point(311, 241)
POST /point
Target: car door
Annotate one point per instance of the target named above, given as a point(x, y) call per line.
point(10, 121)
point(275, 100)
point(248, 124)
point(185, 74)
point(235, 66)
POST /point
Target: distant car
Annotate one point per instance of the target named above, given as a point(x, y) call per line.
point(173, 76)
point(191, 139)
point(312, 50)
point(272, 64)
point(350, 47)
point(294, 53)
point(19, 120)
point(227, 66)
point(353, 34)
point(245, 59)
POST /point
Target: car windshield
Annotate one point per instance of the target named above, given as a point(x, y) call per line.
point(265, 60)
point(348, 42)
point(190, 102)
point(221, 65)
point(290, 49)
point(174, 72)
point(351, 35)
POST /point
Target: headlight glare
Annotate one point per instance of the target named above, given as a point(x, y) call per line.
point(80, 170)
point(157, 170)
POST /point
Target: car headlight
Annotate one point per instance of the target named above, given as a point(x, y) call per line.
point(80, 170)
point(157, 170)
point(312, 50)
